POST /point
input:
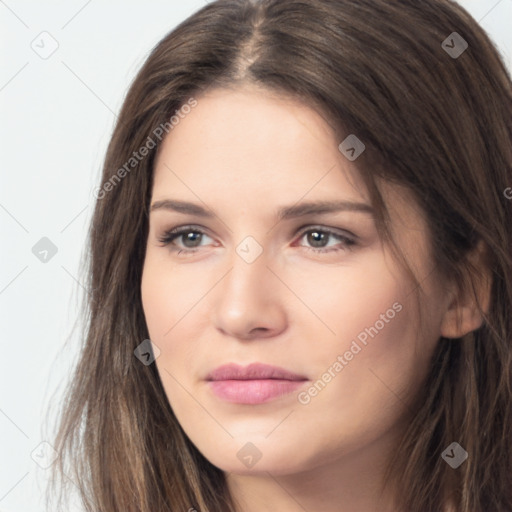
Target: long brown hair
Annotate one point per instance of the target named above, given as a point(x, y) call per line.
point(433, 118)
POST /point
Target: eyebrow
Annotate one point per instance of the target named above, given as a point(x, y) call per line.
point(284, 213)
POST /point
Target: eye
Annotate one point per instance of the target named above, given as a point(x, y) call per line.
point(189, 236)
point(319, 237)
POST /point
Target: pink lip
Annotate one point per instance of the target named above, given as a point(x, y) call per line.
point(254, 384)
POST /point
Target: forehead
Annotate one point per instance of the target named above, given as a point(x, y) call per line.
point(258, 141)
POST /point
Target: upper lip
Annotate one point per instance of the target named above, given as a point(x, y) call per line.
point(254, 371)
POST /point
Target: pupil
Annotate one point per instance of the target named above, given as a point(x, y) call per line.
point(316, 239)
point(192, 237)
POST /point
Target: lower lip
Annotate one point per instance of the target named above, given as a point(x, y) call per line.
point(253, 391)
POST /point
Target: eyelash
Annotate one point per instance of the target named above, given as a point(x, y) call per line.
point(169, 236)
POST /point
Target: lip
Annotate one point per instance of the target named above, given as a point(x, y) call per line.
point(253, 371)
point(254, 384)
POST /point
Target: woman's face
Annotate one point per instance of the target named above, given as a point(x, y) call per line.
point(279, 262)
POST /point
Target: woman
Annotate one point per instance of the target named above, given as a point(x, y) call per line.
point(300, 272)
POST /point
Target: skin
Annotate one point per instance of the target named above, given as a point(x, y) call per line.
point(242, 154)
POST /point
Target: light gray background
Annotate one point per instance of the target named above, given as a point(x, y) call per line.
point(57, 115)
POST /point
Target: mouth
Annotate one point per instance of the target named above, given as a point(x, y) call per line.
point(254, 384)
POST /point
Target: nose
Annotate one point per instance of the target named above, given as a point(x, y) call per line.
point(248, 301)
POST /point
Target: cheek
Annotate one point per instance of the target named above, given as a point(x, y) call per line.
point(361, 302)
point(157, 303)
point(175, 302)
point(168, 296)
point(367, 393)
point(371, 353)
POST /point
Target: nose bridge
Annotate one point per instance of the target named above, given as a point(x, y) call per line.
point(249, 270)
point(247, 301)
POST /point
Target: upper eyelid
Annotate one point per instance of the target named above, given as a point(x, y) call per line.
point(304, 228)
point(335, 231)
